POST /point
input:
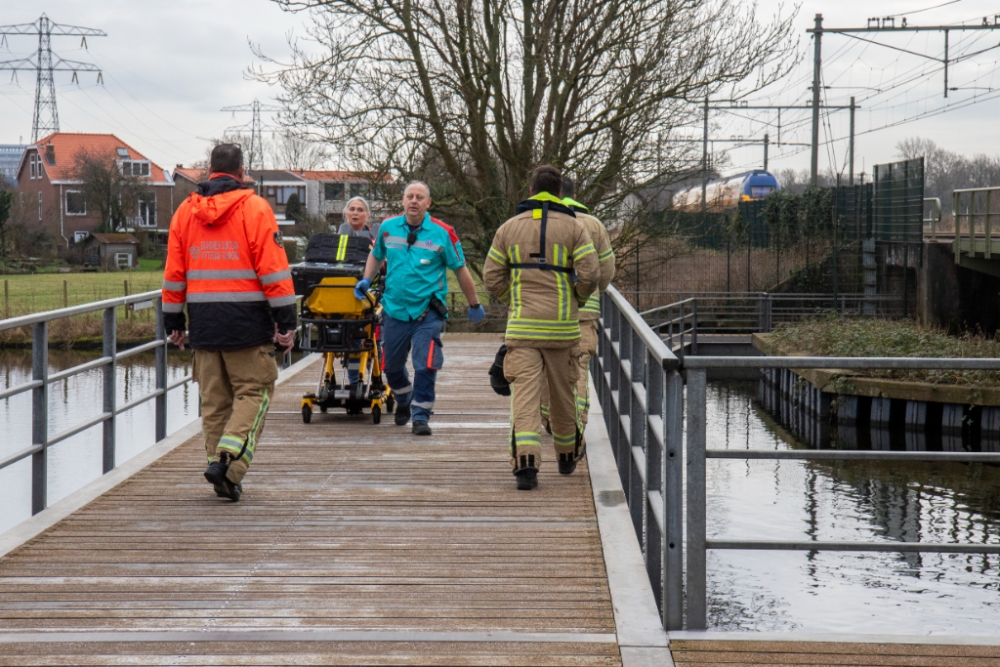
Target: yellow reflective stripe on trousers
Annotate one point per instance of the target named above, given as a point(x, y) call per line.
point(235, 446)
point(563, 440)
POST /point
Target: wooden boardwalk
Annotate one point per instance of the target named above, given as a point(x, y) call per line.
point(387, 548)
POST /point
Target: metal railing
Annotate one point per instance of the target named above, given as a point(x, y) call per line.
point(640, 392)
point(639, 387)
point(974, 220)
point(41, 379)
point(751, 312)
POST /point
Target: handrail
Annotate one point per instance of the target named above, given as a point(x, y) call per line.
point(667, 359)
point(41, 379)
point(83, 309)
point(640, 389)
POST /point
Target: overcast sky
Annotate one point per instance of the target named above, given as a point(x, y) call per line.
point(169, 67)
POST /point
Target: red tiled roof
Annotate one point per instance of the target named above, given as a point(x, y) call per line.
point(321, 175)
point(67, 144)
point(115, 238)
point(192, 174)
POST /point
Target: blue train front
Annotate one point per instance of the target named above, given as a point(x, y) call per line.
point(726, 194)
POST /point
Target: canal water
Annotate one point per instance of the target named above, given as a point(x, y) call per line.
point(78, 460)
point(803, 500)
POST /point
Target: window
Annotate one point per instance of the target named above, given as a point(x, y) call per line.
point(80, 236)
point(759, 192)
point(333, 191)
point(76, 204)
point(123, 153)
point(358, 189)
point(147, 209)
point(131, 168)
point(123, 260)
point(31, 165)
point(39, 206)
point(284, 193)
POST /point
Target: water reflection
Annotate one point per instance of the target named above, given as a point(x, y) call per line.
point(77, 461)
point(856, 500)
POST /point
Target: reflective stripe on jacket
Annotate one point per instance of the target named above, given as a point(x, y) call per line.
point(226, 262)
point(543, 291)
point(605, 255)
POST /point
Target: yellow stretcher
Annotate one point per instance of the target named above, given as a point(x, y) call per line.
point(345, 331)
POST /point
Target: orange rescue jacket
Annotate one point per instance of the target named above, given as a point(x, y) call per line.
point(226, 262)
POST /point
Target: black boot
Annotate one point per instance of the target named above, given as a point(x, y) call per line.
point(421, 428)
point(216, 475)
point(402, 415)
point(567, 464)
point(527, 479)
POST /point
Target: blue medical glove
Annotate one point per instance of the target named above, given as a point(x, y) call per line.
point(361, 289)
point(477, 314)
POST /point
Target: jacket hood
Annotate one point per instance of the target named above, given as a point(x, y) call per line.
point(215, 209)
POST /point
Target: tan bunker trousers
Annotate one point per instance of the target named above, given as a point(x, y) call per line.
point(588, 349)
point(528, 369)
point(236, 389)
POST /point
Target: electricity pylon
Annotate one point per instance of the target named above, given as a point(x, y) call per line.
point(255, 152)
point(44, 63)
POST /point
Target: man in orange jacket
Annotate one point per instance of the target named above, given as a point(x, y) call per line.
point(226, 262)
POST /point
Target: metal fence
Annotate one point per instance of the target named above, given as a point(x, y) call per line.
point(41, 440)
point(977, 214)
point(663, 472)
point(899, 201)
point(750, 312)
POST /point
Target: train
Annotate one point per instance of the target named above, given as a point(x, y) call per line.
point(725, 194)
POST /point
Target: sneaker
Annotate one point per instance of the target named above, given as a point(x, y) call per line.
point(402, 415)
point(527, 479)
point(421, 428)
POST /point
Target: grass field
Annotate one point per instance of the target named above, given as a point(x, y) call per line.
point(32, 293)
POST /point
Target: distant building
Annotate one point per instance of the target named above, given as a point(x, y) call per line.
point(45, 174)
point(276, 186)
point(111, 251)
point(327, 192)
point(186, 180)
point(10, 156)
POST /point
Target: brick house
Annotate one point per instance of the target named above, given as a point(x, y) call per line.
point(44, 175)
point(186, 180)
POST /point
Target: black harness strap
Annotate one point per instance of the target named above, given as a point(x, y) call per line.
point(542, 264)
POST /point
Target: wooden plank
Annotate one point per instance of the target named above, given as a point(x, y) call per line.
point(344, 526)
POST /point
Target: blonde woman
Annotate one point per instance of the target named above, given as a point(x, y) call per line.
point(357, 215)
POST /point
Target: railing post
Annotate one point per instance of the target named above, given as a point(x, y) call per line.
point(680, 326)
point(694, 327)
point(161, 374)
point(696, 500)
point(672, 541)
point(653, 551)
point(40, 416)
point(110, 386)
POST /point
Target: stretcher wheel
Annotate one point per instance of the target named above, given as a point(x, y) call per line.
point(307, 414)
point(323, 409)
point(376, 415)
point(390, 405)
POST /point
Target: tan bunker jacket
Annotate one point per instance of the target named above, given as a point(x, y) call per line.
point(543, 265)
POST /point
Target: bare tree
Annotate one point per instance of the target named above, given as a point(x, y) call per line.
point(288, 151)
point(106, 188)
point(472, 94)
point(946, 171)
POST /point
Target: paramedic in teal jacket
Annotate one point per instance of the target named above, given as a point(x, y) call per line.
point(419, 250)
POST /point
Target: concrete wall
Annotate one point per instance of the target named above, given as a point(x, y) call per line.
point(954, 297)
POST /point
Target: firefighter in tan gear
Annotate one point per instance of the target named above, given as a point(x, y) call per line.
point(590, 312)
point(227, 265)
point(543, 265)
